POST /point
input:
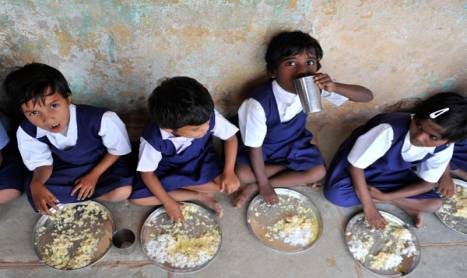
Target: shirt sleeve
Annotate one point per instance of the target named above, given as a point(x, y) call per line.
point(371, 146)
point(252, 123)
point(114, 134)
point(433, 168)
point(33, 152)
point(149, 157)
point(223, 129)
point(3, 137)
point(334, 98)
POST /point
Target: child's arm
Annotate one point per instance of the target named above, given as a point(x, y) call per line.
point(446, 185)
point(265, 188)
point(41, 196)
point(230, 182)
point(372, 215)
point(115, 139)
point(355, 93)
point(171, 206)
point(405, 192)
point(87, 183)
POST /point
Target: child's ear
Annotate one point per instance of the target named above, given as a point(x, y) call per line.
point(68, 100)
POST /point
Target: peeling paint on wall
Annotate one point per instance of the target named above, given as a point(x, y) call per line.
point(114, 52)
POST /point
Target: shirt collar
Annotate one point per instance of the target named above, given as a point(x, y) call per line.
point(281, 94)
point(71, 124)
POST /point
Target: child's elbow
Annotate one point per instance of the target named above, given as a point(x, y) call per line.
point(366, 95)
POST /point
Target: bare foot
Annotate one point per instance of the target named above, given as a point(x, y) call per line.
point(314, 186)
point(268, 194)
point(211, 203)
point(245, 194)
point(418, 220)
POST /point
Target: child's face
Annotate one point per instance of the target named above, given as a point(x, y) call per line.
point(191, 131)
point(52, 114)
point(292, 66)
point(425, 133)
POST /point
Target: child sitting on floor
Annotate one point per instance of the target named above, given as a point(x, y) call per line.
point(397, 158)
point(177, 161)
point(73, 150)
point(272, 123)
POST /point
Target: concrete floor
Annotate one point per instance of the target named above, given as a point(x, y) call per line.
point(444, 252)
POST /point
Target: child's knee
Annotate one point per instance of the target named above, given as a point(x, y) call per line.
point(433, 205)
point(317, 173)
point(339, 197)
point(244, 172)
point(120, 194)
point(8, 195)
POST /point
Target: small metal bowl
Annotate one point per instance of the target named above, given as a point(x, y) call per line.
point(124, 241)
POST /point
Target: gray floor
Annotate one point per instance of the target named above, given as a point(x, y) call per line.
point(444, 252)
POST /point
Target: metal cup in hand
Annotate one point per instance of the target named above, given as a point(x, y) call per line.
point(309, 94)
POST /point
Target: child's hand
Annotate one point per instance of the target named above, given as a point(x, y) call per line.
point(174, 211)
point(324, 82)
point(447, 187)
point(374, 218)
point(86, 186)
point(268, 194)
point(43, 198)
point(377, 194)
point(229, 182)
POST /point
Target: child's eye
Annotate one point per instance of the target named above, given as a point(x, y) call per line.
point(33, 114)
point(54, 105)
point(290, 63)
point(310, 62)
point(434, 138)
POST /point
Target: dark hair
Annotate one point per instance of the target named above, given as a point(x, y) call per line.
point(286, 44)
point(34, 82)
point(180, 101)
point(453, 122)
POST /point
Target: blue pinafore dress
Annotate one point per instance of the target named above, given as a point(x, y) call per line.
point(288, 143)
point(388, 173)
point(11, 168)
point(197, 164)
point(459, 157)
point(71, 164)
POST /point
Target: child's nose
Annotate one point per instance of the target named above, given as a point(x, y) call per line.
point(302, 69)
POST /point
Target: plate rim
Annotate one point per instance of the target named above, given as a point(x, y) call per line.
point(317, 213)
point(180, 271)
point(44, 218)
point(406, 225)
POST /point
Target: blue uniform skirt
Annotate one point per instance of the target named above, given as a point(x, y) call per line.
point(64, 176)
point(341, 191)
point(298, 155)
point(12, 169)
point(200, 170)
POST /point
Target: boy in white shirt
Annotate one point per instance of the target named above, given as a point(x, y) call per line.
point(73, 151)
point(177, 161)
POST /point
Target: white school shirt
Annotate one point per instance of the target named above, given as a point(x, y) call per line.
point(252, 118)
point(149, 157)
point(372, 145)
point(36, 153)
